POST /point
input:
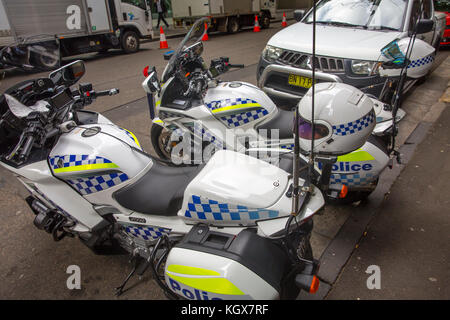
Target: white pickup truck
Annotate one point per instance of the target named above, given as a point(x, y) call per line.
point(349, 37)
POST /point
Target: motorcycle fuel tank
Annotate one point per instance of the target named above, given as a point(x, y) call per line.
point(96, 157)
point(237, 104)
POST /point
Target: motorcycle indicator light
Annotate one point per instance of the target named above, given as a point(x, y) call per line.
point(145, 71)
point(343, 192)
point(314, 285)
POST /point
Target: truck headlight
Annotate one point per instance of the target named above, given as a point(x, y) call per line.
point(364, 68)
point(271, 53)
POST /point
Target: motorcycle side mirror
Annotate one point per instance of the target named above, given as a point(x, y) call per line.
point(68, 74)
point(424, 26)
point(298, 15)
point(151, 83)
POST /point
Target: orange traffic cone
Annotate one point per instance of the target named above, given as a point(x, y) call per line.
point(162, 39)
point(284, 23)
point(205, 36)
point(256, 28)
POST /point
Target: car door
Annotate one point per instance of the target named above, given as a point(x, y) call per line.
point(427, 13)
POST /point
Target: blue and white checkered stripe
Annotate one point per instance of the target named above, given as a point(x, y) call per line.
point(239, 119)
point(350, 180)
point(216, 104)
point(287, 146)
point(166, 114)
point(207, 136)
point(355, 126)
point(203, 208)
point(146, 232)
point(75, 160)
point(98, 183)
point(421, 62)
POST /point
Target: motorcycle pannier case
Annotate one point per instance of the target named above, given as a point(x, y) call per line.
point(208, 265)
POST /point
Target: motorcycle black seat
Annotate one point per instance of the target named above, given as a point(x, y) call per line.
point(159, 192)
point(283, 121)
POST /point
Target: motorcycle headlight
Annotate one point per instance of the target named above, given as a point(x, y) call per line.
point(271, 53)
point(364, 68)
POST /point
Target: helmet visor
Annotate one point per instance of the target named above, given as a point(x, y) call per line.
point(305, 130)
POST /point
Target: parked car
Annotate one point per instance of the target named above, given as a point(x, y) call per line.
point(444, 7)
point(349, 37)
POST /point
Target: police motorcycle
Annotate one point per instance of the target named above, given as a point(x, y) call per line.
point(224, 230)
point(35, 53)
point(194, 106)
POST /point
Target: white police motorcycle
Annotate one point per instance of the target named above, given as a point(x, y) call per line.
point(222, 231)
point(198, 114)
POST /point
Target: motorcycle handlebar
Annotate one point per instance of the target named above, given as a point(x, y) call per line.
point(107, 92)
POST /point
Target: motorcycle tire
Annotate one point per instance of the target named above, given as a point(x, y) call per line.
point(155, 136)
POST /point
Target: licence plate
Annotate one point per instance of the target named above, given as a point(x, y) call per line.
point(300, 81)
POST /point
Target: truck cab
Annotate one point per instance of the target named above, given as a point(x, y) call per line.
point(349, 37)
point(136, 14)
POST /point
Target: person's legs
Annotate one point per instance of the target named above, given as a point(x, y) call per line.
point(164, 20)
point(159, 19)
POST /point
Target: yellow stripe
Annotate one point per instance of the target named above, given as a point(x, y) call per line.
point(158, 121)
point(238, 106)
point(85, 167)
point(357, 155)
point(213, 285)
point(192, 270)
point(158, 102)
point(134, 137)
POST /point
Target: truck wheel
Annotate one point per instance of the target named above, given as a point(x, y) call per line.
point(233, 25)
point(130, 42)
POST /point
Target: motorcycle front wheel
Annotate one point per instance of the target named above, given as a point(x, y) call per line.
point(160, 138)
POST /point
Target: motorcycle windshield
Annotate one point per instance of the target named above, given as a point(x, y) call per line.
point(194, 35)
point(39, 52)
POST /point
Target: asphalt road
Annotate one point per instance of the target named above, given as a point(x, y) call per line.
point(32, 265)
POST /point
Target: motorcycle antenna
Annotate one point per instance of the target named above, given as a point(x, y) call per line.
point(399, 92)
point(298, 198)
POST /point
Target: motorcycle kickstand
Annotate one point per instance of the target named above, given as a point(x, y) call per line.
point(120, 289)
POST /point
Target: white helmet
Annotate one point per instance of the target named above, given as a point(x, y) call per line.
point(420, 59)
point(344, 118)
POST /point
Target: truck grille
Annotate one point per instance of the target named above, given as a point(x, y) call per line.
point(303, 60)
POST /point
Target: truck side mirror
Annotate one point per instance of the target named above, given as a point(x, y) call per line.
point(298, 14)
point(424, 26)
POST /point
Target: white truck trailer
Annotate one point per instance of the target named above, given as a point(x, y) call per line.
point(75, 26)
point(226, 15)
